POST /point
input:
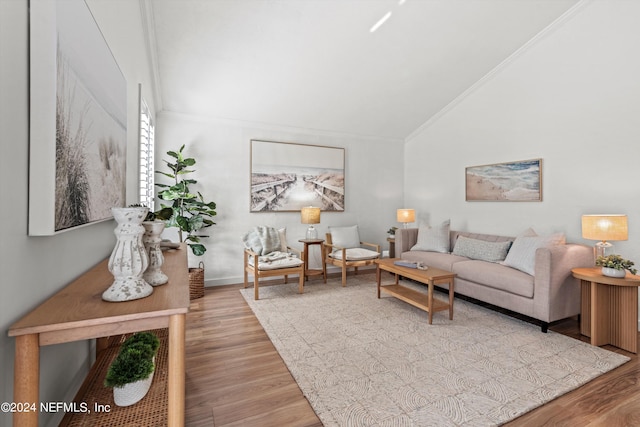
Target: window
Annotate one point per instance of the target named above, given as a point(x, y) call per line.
point(147, 129)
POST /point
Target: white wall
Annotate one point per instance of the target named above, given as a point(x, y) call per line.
point(34, 268)
point(572, 97)
point(373, 184)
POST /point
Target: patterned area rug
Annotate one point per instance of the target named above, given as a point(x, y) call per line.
point(364, 361)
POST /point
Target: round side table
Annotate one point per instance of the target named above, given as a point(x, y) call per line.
point(609, 308)
point(307, 271)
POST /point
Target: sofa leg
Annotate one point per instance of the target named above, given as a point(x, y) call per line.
point(544, 326)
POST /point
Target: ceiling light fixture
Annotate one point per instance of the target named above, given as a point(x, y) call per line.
point(380, 22)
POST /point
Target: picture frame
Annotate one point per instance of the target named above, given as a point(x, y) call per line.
point(518, 181)
point(78, 120)
point(285, 177)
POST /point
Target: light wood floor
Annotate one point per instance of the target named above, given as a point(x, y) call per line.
point(235, 377)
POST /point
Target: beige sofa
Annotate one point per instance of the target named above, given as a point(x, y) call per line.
point(549, 294)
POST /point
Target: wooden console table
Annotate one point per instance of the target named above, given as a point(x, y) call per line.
point(609, 308)
point(78, 312)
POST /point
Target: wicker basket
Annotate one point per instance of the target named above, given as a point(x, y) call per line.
point(196, 282)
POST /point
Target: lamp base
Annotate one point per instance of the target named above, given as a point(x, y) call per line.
point(600, 249)
point(312, 233)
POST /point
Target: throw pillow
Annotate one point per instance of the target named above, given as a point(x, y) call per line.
point(481, 249)
point(522, 255)
point(345, 237)
point(435, 239)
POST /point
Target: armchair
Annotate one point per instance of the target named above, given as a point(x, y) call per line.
point(343, 248)
point(266, 254)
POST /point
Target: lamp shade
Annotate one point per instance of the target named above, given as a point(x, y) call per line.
point(310, 215)
point(406, 215)
point(605, 227)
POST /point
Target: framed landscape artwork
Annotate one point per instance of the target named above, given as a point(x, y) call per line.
point(289, 176)
point(78, 132)
point(519, 181)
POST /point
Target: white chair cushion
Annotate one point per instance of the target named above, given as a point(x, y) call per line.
point(276, 260)
point(356, 254)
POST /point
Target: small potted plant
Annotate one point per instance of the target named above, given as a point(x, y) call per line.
point(131, 372)
point(615, 265)
point(392, 232)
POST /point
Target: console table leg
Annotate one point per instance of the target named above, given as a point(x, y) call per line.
point(26, 379)
point(176, 373)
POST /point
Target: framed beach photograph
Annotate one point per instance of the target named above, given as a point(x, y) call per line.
point(78, 120)
point(285, 177)
point(519, 181)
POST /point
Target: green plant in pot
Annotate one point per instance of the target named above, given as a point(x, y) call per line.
point(187, 210)
point(615, 265)
point(131, 372)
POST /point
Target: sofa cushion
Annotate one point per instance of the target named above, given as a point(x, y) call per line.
point(522, 254)
point(433, 238)
point(345, 237)
point(481, 249)
point(495, 276)
point(433, 259)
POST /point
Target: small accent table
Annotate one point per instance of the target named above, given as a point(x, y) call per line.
point(431, 277)
point(609, 307)
point(392, 246)
point(307, 271)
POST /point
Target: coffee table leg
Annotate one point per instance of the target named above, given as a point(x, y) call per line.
point(378, 279)
point(430, 301)
point(451, 294)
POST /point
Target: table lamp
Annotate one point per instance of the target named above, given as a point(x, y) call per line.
point(405, 216)
point(604, 228)
point(310, 215)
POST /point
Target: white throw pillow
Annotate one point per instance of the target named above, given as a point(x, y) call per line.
point(345, 237)
point(435, 239)
point(522, 255)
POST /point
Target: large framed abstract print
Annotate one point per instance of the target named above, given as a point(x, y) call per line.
point(519, 181)
point(286, 177)
point(78, 117)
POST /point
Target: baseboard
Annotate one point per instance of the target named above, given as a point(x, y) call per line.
point(332, 272)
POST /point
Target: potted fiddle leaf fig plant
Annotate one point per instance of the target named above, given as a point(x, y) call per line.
point(187, 210)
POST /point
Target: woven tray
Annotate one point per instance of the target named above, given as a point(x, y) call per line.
point(196, 282)
point(151, 411)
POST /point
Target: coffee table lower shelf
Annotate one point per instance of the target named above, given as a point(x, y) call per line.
point(415, 298)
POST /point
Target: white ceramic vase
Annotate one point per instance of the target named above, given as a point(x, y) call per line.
point(612, 272)
point(151, 239)
point(129, 258)
point(133, 392)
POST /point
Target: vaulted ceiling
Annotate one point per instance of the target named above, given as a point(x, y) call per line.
point(316, 64)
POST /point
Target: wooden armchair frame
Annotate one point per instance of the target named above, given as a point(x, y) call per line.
point(328, 247)
point(257, 273)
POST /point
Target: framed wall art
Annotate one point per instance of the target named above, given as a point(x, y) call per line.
point(78, 131)
point(289, 176)
point(519, 181)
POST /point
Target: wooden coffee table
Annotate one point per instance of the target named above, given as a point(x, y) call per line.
point(431, 277)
